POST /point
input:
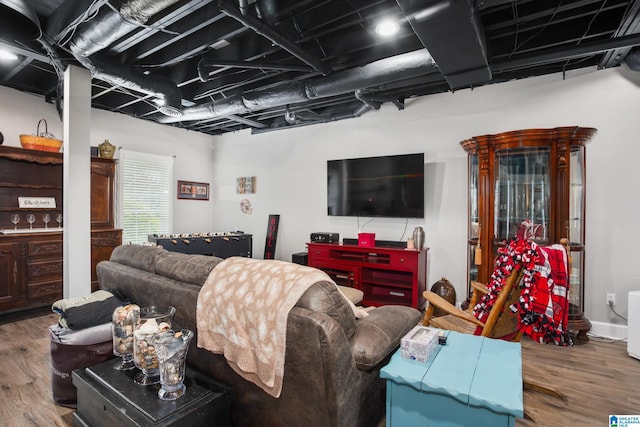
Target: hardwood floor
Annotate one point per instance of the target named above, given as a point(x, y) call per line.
point(598, 378)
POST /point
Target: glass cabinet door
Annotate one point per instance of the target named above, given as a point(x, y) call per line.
point(522, 192)
point(575, 231)
point(576, 197)
point(474, 221)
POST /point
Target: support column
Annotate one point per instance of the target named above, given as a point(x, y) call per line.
point(77, 182)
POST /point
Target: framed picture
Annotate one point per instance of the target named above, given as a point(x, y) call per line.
point(246, 185)
point(193, 190)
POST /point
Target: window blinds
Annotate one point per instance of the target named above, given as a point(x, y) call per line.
point(145, 189)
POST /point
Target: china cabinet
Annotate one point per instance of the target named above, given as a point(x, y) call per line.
point(536, 175)
point(31, 238)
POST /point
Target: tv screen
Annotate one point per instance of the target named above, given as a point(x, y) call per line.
point(388, 186)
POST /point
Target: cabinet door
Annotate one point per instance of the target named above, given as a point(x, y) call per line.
point(102, 193)
point(522, 192)
point(10, 273)
point(102, 244)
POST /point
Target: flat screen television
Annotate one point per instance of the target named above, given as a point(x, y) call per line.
point(388, 186)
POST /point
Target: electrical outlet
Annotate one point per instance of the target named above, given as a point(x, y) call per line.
point(611, 299)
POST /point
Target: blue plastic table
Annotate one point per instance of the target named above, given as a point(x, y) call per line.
point(472, 381)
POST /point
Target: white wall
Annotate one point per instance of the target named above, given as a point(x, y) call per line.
point(290, 167)
point(19, 114)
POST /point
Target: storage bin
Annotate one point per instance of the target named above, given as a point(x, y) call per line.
point(66, 358)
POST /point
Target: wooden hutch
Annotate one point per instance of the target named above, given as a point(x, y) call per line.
point(534, 174)
point(31, 254)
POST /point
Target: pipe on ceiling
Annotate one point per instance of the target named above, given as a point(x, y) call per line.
point(383, 71)
point(204, 65)
point(561, 54)
point(18, 21)
point(107, 27)
point(633, 59)
point(273, 35)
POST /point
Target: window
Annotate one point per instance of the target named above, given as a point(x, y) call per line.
point(145, 186)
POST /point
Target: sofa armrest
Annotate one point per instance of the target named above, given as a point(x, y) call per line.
point(378, 334)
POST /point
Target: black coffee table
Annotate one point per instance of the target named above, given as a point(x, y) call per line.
point(108, 397)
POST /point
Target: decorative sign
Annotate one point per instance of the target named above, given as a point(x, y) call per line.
point(246, 185)
point(36, 202)
point(245, 206)
point(193, 190)
point(272, 235)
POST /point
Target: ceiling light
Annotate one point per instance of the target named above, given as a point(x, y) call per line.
point(220, 44)
point(6, 55)
point(160, 101)
point(387, 27)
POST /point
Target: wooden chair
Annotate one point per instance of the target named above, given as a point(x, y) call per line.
point(501, 323)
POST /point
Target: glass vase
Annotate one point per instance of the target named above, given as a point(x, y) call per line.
point(153, 319)
point(172, 348)
point(123, 323)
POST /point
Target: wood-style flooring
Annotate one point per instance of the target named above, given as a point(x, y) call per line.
point(598, 378)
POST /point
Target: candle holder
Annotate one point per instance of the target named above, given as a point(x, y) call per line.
point(172, 348)
point(124, 321)
point(153, 319)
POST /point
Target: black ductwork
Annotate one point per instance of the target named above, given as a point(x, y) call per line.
point(452, 33)
point(405, 66)
point(18, 21)
point(633, 59)
point(273, 35)
point(107, 27)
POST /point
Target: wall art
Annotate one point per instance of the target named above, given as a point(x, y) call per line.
point(193, 190)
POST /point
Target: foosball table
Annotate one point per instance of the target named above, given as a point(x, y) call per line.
point(222, 244)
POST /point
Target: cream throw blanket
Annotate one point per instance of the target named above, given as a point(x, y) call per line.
point(242, 313)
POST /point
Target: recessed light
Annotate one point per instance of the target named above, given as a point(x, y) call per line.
point(387, 27)
point(6, 55)
point(160, 101)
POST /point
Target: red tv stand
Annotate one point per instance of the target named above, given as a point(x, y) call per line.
point(385, 275)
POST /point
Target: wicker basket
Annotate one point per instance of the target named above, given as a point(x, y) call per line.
point(41, 141)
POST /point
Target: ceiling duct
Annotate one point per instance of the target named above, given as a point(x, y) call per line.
point(18, 21)
point(452, 33)
point(633, 59)
point(399, 67)
point(107, 27)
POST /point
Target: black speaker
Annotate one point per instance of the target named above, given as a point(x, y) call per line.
point(300, 258)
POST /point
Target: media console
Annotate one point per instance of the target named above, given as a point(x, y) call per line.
point(385, 275)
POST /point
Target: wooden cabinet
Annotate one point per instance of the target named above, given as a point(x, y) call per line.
point(102, 244)
point(10, 274)
point(103, 172)
point(532, 174)
point(31, 259)
point(385, 275)
point(104, 237)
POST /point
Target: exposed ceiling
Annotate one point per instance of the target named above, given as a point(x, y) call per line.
point(222, 66)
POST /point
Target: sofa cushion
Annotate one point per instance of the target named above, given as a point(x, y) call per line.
point(137, 256)
point(324, 297)
point(379, 334)
point(192, 269)
point(352, 294)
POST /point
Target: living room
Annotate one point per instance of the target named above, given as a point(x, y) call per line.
point(290, 169)
point(226, 133)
